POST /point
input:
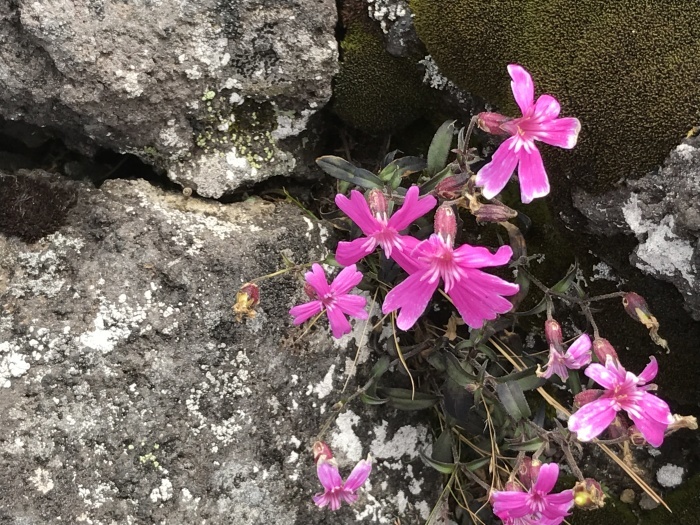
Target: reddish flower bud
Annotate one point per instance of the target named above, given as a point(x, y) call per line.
point(513, 486)
point(492, 122)
point(586, 396)
point(636, 307)
point(378, 205)
point(451, 187)
point(588, 495)
point(528, 471)
point(602, 349)
point(247, 298)
point(552, 331)
point(322, 452)
point(494, 213)
point(446, 224)
point(636, 437)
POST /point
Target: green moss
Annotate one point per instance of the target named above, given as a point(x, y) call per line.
point(626, 69)
point(374, 91)
point(684, 502)
point(614, 513)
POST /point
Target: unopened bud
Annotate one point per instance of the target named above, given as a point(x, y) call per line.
point(552, 331)
point(492, 122)
point(513, 486)
point(636, 437)
point(247, 298)
point(494, 213)
point(589, 495)
point(528, 471)
point(602, 349)
point(446, 224)
point(586, 396)
point(451, 187)
point(377, 204)
point(637, 308)
point(322, 452)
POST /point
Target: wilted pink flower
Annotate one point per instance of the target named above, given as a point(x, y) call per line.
point(379, 229)
point(335, 299)
point(623, 391)
point(537, 505)
point(577, 356)
point(335, 489)
point(539, 122)
point(477, 296)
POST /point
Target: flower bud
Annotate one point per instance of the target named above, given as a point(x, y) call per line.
point(589, 495)
point(636, 307)
point(586, 396)
point(513, 486)
point(446, 224)
point(636, 437)
point(247, 298)
point(377, 203)
point(492, 122)
point(528, 471)
point(602, 349)
point(552, 331)
point(322, 452)
point(494, 213)
point(451, 187)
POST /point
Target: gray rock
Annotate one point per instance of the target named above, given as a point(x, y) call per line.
point(216, 92)
point(131, 394)
point(662, 209)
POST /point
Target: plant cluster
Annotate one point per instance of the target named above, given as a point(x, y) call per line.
point(510, 459)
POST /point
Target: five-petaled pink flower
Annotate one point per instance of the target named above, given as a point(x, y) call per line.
point(537, 505)
point(335, 489)
point(379, 229)
point(335, 299)
point(577, 356)
point(478, 296)
point(623, 391)
point(538, 122)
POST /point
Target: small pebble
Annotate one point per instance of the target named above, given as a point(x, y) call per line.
point(646, 503)
point(627, 496)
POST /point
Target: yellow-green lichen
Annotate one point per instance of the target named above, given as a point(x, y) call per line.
point(626, 69)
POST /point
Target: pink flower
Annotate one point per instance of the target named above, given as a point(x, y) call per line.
point(335, 489)
point(379, 229)
point(539, 122)
point(623, 391)
point(577, 356)
point(537, 505)
point(335, 299)
point(476, 295)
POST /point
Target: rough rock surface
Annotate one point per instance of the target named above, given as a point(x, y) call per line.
point(662, 209)
point(214, 91)
point(130, 394)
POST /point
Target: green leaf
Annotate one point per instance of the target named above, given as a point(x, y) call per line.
point(564, 285)
point(513, 400)
point(531, 382)
point(429, 186)
point(527, 446)
point(371, 400)
point(516, 375)
point(405, 399)
point(456, 371)
point(380, 367)
point(440, 147)
point(444, 468)
point(539, 308)
point(442, 448)
point(344, 170)
point(477, 463)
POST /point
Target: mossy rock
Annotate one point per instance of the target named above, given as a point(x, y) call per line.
point(374, 91)
point(613, 513)
point(626, 69)
point(684, 502)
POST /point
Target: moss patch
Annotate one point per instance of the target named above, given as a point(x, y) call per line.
point(684, 502)
point(626, 69)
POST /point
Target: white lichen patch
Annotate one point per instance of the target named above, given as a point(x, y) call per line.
point(325, 387)
point(387, 11)
point(660, 251)
point(344, 440)
point(670, 476)
point(42, 480)
point(406, 441)
point(12, 364)
point(162, 493)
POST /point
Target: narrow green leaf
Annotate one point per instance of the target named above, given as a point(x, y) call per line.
point(538, 309)
point(477, 463)
point(380, 367)
point(401, 398)
point(456, 371)
point(564, 285)
point(346, 171)
point(370, 400)
point(516, 375)
point(531, 382)
point(440, 147)
point(444, 468)
point(513, 400)
point(429, 186)
point(527, 446)
point(442, 448)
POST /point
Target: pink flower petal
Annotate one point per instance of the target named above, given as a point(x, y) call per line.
point(359, 475)
point(404, 257)
point(579, 353)
point(561, 499)
point(346, 280)
point(479, 257)
point(352, 305)
point(532, 175)
point(339, 323)
point(317, 280)
point(649, 372)
point(652, 429)
point(655, 408)
point(562, 132)
point(349, 253)
point(522, 86)
point(489, 284)
point(546, 108)
point(592, 419)
point(412, 209)
point(547, 478)
point(348, 497)
point(328, 475)
point(494, 176)
point(412, 297)
point(357, 209)
point(510, 504)
point(601, 375)
point(477, 299)
point(306, 311)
